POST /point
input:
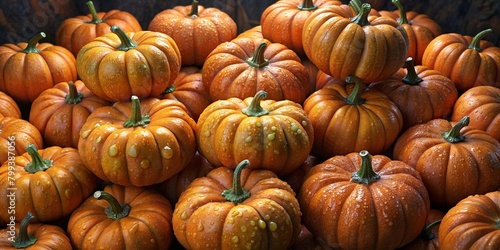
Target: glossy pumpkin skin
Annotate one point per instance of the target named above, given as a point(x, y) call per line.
point(451, 170)
point(146, 226)
point(73, 33)
point(29, 68)
point(254, 32)
point(117, 65)
point(196, 30)
point(158, 143)
point(482, 105)
point(51, 184)
point(472, 223)
point(283, 21)
point(360, 47)
point(60, 112)
point(428, 238)
point(385, 212)
point(243, 66)
point(279, 139)
point(268, 219)
point(17, 133)
point(8, 107)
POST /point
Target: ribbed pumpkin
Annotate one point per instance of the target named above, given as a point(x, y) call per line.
point(8, 106)
point(16, 135)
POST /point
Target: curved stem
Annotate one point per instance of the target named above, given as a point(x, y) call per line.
point(258, 60)
point(476, 41)
point(307, 5)
point(454, 135)
point(237, 193)
point(194, 9)
point(354, 97)
point(136, 118)
point(356, 5)
point(411, 77)
point(362, 17)
point(93, 12)
point(115, 210)
point(168, 90)
point(126, 42)
point(427, 233)
point(31, 47)
point(37, 163)
point(254, 109)
point(402, 12)
point(365, 174)
point(23, 239)
point(73, 96)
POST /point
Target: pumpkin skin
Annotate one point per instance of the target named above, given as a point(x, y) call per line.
point(147, 224)
point(50, 183)
point(254, 32)
point(364, 202)
point(30, 68)
point(472, 223)
point(59, 112)
point(9, 107)
point(138, 143)
point(428, 238)
point(195, 29)
point(273, 135)
point(241, 209)
point(482, 105)
point(16, 134)
point(117, 65)
point(73, 33)
point(455, 160)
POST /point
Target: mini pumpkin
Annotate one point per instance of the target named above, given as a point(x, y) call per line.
point(16, 135)
point(8, 106)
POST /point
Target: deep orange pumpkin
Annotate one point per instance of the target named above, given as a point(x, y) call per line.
point(9, 107)
point(16, 135)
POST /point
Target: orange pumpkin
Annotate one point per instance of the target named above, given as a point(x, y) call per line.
point(254, 32)
point(428, 238)
point(9, 107)
point(16, 135)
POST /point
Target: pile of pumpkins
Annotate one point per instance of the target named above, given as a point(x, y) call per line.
point(328, 126)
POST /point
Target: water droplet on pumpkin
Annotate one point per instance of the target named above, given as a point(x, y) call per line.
point(200, 226)
point(258, 124)
point(85, 134)
point(243, 229)
point(304, 123)
point(248, 139)
point(273, 128)
point(93, 149)
point(271, 136)
point(183, 215)
point(133, 151)
point(113, 150)
point(262, 224)
point(276, 152)
point(145, 163)
point(235, 239)
point(294, 127)
point(299, 131)
point(273, 226)
point(252, 223)
point(167, 152)
point(99, 138)
point(97, 125)
point(207, 133)
point(67, 193)
point(267, 217)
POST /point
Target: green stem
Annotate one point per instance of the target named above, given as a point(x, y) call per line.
point(237, 193)
point(454, 135)
point(126, 42)
point(194, 9)
point(168, 90)
point(136, 118)
point(37, 163)
point(93, 12)
point(362, 17)
point(255, 109)
point(411, 77)
point(365, 174)
point(356, 5)
point(73, 96)
point(24, 240)
point(354, 97)
point(115, 210)
point(427, 233)
point(402, 12)
point(258, 60)
point(31, 47)
point(307, 5)
point(476, 41)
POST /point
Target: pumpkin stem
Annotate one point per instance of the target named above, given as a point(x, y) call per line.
point(254, 109)
point(476, 41)
point(356, 5)
point(354, 97)
point(307, 5)
point(73, 96)
point(136, 118)
point(237, 193)
point(37, 163)
point(362, 17)
point(168, 90)
point(115, 210)
point(365, 174)
point(24, 240)
point(31, 47)
point(93, 12)
point(194, 9)
point(258, 60)
point(402, 12)
point(126, 42)
point(427, 233)
point(454, 135)
point(411, 77)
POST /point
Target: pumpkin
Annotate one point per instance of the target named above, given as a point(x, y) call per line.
point(283, 21)
point(364, 202)
point(122, 218)
point(482, 105)
point(472, 223)
point(32, 67)
point(50, 183)
point(323, 79)
point(467, 61)
point(351, 118)
point(349, 41)
point(16, 134)
point(196, 30)
point(27, 235)
point(240, 209)
point(273, 135)
point(138, 143)
point(59, 112)
point(117, 65)
point(296, 178)
point(254, 32)
point(421, 93)
point(455, 160)
point(307, 241)
point(428, 238)
point(9, 107)
point(73, 33)
point(242, 67)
